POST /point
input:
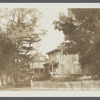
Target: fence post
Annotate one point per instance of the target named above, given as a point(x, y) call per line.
point(31, 83)
point(82, 85)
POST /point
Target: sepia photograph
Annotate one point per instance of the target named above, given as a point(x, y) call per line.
point(49, 47)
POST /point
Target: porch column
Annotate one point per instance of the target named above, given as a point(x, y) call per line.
point(52, 71)
point(59, 70)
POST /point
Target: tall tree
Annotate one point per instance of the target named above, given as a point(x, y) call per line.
point(19, 28)
point(81, 28)
point(6, 53)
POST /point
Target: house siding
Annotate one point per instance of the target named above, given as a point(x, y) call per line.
point(67, 64)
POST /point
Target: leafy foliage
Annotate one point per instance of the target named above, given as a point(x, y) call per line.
point(17, 36)
point(82, 29)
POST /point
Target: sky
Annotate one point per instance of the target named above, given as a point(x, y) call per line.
point(53, 37)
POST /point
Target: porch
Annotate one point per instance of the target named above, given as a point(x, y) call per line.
point(38, 73)
point(53, 70)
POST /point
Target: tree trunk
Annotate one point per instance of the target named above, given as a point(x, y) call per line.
point(15, 79)
point(6, 78)
point(1, 78)
point(11, 79)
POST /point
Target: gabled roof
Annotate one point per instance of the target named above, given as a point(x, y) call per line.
point(52, 51)
point(59, 47)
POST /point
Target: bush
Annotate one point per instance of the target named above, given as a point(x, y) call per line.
point(65, 79)
point(41, 77)
point(25, 83)
point(10, 84)
point(70, 78)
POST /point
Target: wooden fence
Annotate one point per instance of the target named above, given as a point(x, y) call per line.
point(65, 85)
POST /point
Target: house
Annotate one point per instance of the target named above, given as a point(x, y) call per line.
point(61, 65)
point(37, 67)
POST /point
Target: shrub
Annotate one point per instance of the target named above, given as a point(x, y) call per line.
point(70, 78)
point(25, 83)
point(10, 84)
point(65, 79)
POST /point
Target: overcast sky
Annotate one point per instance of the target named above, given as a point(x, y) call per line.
point(53, 37)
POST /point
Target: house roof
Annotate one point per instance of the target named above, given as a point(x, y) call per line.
point(52, 51)
point(59, 47)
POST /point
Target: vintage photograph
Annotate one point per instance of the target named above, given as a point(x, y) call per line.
point(49, 48)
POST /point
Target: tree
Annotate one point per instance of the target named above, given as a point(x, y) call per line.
point(82, 29)
point(19, 28)
point(6, 56)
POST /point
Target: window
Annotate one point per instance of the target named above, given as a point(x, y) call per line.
point(50, 57)
point(76, 68)
point(56, 57)
point(76, 57)
point(61, 57)
point(41, 70)
point(31, 65)
point(42, 58)
point(36, 71)
point(54, 69)
point(53, 57)
point(61, 68)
